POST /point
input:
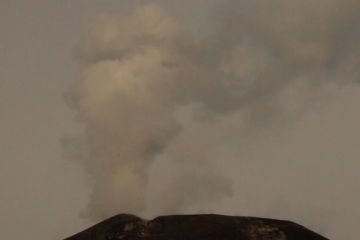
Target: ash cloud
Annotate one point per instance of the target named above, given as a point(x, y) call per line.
point(162, 111)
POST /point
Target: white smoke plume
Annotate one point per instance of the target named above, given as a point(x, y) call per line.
point(139, 70)
point(162, 111)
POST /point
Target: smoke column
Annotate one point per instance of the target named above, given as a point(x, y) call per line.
point(162, 110)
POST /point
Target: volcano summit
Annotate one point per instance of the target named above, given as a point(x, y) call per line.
point(196, 227)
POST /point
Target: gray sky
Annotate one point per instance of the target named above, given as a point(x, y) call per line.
point(42, 194)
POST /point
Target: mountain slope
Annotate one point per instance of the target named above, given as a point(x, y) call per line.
point(196, 227)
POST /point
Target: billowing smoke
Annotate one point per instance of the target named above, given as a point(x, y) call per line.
point(165, 112)
point(139, 70)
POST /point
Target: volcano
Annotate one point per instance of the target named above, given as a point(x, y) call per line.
point(196, 227)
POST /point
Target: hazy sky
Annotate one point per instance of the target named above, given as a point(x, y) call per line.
point(304, 170)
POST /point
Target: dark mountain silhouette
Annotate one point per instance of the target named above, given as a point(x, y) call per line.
point(196, 227)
